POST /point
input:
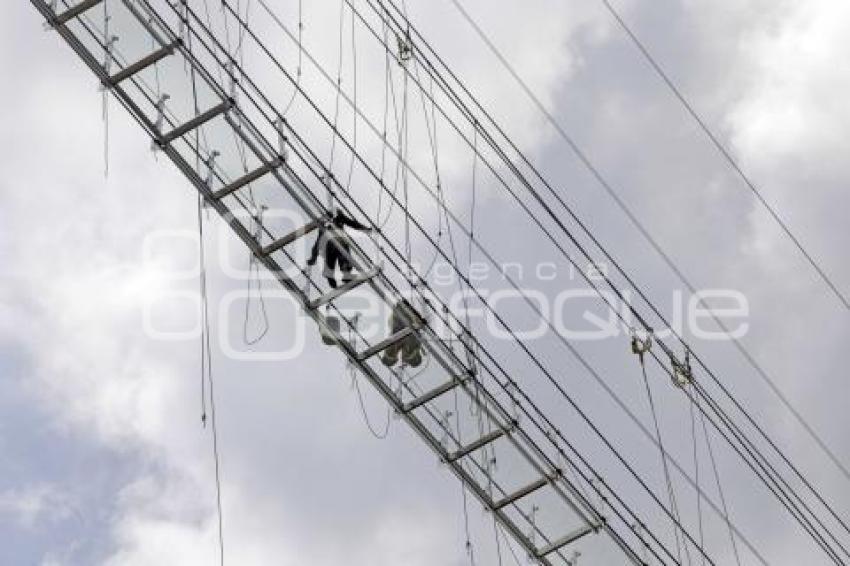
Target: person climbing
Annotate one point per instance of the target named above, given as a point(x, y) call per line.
point(334, 247)
point(404, 316)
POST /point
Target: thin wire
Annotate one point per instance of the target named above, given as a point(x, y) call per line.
point(405, 155)
point(339, 86)
point(201, 254)
point(724, 152)
point(298, 69)
point(719, 487)
point(666, 469)
point(105, 110)
point(501, 531)
point(366, 419)
point(474, 196)
point(210, 382)
point(353, 114)
point(206, 349)
point(254, 275)
point(390, 81)
point(378, 213)
point(470, 550)
point(498, 542)
point(696, 476)
point(431, 128)
point(240, 42)
point(470, 251)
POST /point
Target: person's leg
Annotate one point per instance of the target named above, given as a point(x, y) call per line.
point(332, 257)
point(390, 355)
point(411, 351)
point(345, 265)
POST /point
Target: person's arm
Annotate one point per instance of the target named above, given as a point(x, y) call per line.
point(352, 223)
point(314, 253)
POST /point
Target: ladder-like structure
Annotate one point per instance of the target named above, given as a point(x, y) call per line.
point(285, 165)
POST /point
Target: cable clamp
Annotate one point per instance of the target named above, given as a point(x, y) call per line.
point(682, 373)
point(405, 49)
point(109, 58)
point(640, 346)
point(160, 120)
point(210, 179)
point(282, 140)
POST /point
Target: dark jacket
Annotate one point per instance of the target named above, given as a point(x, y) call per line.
point(339, 222)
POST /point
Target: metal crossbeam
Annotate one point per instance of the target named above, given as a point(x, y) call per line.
point(520, 493)
point(73, 12)
point(291, 237)
point(246, 180)
point(475, 445)
point(142, 64)
point(196, 122)
point(433, 394)
point(565, 540)
point(339, 291)
point(384, 344)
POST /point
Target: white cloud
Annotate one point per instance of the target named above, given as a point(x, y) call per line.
point(36, 506)
point(789, 109)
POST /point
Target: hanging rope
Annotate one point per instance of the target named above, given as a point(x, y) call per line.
point(206, 372)
point(400, 126)
point(501, 531)
point(696, 474)
point(405, 147)
point(339, 87)
point(380, 435)
point(640, 348)
point(470, 250)
point(354, 112)
point(431, 129)
point(109, 44)
point(206, 346)
point(378, 212)
point(254, 274)
point(470, 550)
point(241, 41)
point(719, 485)
point(300, 55)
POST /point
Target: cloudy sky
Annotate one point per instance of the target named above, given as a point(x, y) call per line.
point(104, 459)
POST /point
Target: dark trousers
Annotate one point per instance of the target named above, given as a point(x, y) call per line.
point(336, 256)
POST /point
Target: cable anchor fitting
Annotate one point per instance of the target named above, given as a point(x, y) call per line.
point(231, 69)
point(282, 140)
point(682, 373)
point(160, 120)
point(405, 49)
point(210, 163)
point(640, 346)
point(108, 59)
point(183, 14)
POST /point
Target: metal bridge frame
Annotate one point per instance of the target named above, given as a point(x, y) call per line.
point(459, 376)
